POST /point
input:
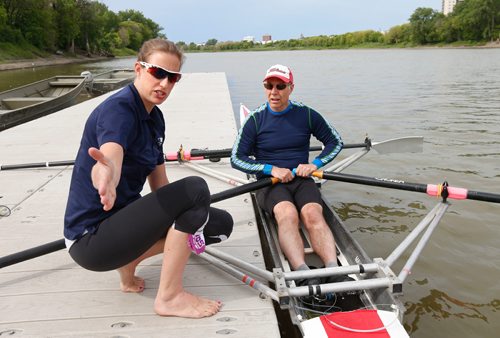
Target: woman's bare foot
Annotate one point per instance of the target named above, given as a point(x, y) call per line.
point(129, 282)
point(186, 305)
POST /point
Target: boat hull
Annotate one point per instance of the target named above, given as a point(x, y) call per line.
point(26, 103)
point(111, 80)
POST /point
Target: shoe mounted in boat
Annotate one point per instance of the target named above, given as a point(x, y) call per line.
point(342, 278)
point(308, 281)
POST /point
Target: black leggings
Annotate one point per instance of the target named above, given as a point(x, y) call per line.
point(131, 231)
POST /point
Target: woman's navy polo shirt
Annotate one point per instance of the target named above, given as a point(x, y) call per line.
point(122, 119)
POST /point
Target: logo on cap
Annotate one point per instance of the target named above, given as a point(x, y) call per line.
point(281, 72)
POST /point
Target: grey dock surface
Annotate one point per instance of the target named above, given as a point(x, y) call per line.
point(51, 296)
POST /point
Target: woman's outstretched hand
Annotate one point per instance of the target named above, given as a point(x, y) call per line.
point(103, 178)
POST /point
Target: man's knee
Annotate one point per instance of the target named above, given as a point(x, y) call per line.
point(312, 213)
point(286, 213)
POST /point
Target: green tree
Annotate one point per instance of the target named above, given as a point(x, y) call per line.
point(33, 18)
point(211, 42)
point(182, 45)
point(134, 33)
point(477, 19)
point(3, 16)
point(149, 28)
point(423, 22)
point(398, 34)
point(67, 18)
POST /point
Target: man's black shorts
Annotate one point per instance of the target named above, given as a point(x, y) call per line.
point(300, 191)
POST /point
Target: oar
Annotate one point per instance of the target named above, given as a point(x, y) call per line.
point(411, 144)
point(36, 165)
point(34, 252)
point(441, 190)
point(59, 244)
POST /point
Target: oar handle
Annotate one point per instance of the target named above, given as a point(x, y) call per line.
point(442, 190)
point(242, 189)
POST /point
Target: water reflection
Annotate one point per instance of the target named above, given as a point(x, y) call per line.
point(377, 215)
point(439, 305)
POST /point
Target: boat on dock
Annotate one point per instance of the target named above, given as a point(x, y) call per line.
point(29, 102)
point(109, 80)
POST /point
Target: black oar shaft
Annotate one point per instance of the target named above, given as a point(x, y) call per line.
point(483, 196)
point(242, 189)
point(36, 165)
point(355, 145)
point(452, 192)
point(59, 244)
point(219, 153)
point(377, 182)
point(31, 253)
point(169, 157)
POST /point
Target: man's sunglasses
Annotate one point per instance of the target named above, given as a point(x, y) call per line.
point(161, 73)
point(279, 86)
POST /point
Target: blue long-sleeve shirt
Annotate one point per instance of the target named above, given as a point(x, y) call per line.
point(282, 139)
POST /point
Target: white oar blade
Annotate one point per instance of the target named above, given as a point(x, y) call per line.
point(409, 144)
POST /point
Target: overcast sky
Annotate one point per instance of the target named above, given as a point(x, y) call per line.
point(231, 20)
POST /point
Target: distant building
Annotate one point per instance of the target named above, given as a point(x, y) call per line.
point(449, 5)
point(266, 38)
point(249, 39)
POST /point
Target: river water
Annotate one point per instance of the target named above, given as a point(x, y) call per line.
point(451, 97)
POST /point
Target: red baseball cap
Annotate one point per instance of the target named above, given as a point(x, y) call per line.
point(281, 72)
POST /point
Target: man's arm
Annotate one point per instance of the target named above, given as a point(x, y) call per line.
point(330, 138)
point(243, 148)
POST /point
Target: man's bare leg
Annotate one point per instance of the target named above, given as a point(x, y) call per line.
point(291, 243)
point(172, 299)
point(322, 240)
point(129, 282)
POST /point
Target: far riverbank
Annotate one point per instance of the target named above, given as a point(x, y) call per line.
point(61, 60)
point(49, 61)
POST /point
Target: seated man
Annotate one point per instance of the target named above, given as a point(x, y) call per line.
point(277, 135)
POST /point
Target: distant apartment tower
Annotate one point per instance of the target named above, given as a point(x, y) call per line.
point(449, 5)
point(266, 38)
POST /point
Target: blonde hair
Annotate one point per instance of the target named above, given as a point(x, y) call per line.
point(159, 45)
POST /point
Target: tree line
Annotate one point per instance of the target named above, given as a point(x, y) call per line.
point(68, 25)
point(88, 25)
point(472, 21)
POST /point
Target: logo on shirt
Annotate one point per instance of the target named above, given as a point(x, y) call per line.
point(159, 141)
